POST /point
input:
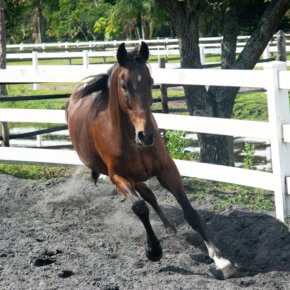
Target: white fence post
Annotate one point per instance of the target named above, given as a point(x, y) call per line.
point(202, 53)
point(35, 67)
point(278, 108)
point(85, 59)
point(38, 140)
point(266, 53)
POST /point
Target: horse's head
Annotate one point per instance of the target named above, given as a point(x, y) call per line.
point(134, 92)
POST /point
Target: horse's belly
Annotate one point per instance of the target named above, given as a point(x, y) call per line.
point(95, 163)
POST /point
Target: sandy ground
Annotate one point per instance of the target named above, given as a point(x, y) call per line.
point(69, 234)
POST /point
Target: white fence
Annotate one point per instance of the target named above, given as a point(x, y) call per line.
point(162, 42)
point(275, 79)
point(158, 47)
point(85, 54)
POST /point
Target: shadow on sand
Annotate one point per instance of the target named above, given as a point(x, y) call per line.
point(254, 242)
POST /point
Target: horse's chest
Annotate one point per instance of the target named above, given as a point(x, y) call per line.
point(140, 166)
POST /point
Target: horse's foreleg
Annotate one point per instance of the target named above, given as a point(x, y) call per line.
point(153, 250)
point(171, 180)
point(95, 175)
point(149, 196)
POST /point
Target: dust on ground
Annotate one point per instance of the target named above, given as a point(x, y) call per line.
point(68, 234)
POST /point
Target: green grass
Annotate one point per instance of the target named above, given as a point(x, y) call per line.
point(99, 60)
point(251, 106)
point(223, 195)
point(34, 171)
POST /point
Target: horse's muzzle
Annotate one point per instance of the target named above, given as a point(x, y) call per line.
point(146, 138)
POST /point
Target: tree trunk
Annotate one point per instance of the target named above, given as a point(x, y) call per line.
point(2, 36)
point(37, 35)
point(145, 28)
point(219, 101)
point(214, 148)
point(4, 131)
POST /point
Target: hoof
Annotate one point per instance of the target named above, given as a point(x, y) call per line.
point(153, 255)
point(224, 273)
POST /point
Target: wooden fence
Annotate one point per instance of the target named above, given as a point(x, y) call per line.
point(275, 79)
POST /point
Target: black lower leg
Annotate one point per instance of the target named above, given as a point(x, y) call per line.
point(95, 176)
point(194, 220)
point(154, 250)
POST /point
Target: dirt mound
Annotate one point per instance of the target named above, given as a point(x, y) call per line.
point(68, 234)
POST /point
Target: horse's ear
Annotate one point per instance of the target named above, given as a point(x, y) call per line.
point(144, 51)
point(122, 54)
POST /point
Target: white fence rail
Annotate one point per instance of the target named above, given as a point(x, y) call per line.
point(275, 79)
point(103, 44)
point(158, 47)
point(85, 54)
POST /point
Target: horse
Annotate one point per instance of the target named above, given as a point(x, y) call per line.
point(114, 133)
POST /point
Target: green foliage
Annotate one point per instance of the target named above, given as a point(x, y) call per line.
point(81, 19)
point(75, 19)
point(106, 27)
point(249, 151)
point(176, 144)
point(64, 20)
point(138, 18)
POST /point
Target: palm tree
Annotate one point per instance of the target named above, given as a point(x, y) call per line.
point(138, 15)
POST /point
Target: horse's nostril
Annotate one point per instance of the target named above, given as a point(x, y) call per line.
point(149, 140)
point(146, 139)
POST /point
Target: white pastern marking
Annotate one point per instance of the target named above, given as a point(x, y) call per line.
point(221, 262)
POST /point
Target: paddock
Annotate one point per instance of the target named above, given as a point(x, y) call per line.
point(275, 79)
point(66, 233)
point(67, 228)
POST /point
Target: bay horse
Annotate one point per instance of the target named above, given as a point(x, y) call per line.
point(114, 133)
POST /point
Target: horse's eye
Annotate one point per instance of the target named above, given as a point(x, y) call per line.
point(123, 85)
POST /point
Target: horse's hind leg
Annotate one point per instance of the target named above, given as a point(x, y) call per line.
point(154, 250)
point(149, 196)
point(171, 180)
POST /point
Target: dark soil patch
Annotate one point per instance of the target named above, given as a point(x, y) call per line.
point(68, 234)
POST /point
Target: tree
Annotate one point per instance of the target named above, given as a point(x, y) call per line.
point(138, 18)
point(28, 20)
point(75, 19)
point(219, 101)
point(37, 22)
point(3, 61)
point(2, 40)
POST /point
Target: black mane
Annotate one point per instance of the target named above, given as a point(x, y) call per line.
point(98, 83)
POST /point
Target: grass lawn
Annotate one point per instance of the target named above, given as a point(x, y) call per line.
point(99, 60)
point(251, 106)
point(35, 171)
